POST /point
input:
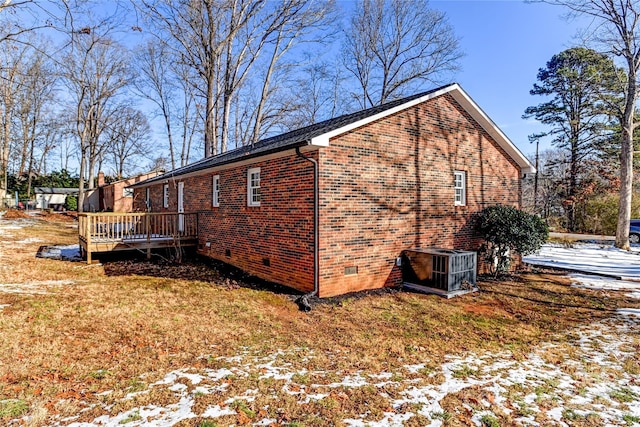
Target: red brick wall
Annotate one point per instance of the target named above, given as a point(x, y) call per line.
point(388, 186)
point(120, 203)
point(280, 229)
point(384, 188)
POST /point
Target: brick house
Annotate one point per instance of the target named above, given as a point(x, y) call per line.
point(331, 206)
point(114, 196)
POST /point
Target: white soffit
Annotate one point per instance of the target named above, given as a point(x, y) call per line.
point(464, 100)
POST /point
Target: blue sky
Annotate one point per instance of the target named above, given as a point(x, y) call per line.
point(505, 43)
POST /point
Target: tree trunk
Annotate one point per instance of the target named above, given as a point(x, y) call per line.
point(626, 162)
point(255, 136)
point(210, 143)
point(626, 185)
point(83, 163)
point(573, 184)
point(535, 180)
point(4, 166)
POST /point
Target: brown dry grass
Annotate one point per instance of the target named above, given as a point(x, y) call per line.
point(123, 325)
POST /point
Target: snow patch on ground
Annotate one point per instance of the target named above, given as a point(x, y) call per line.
point(629, 311)
point(61, 252)
point(589, 258)
point(34, 287)
point(541, 389)
point(28, 240)
point(15, 224)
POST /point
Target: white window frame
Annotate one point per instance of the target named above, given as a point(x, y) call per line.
point(215, 191)
point(147, 199)
point(127, 192)
point(460, 188)
point(253, 190)
point(165, 196)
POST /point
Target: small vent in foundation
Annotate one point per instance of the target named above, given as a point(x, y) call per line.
point(227, 253)
point(350, 271)
point(266, 262)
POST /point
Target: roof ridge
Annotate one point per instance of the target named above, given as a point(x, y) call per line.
point(295, 137)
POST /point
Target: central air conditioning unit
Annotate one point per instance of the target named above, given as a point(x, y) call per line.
point(445, 272)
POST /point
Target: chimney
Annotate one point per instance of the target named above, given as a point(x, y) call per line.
point(100, 179)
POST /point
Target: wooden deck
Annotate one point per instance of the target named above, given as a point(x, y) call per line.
point(108, 232)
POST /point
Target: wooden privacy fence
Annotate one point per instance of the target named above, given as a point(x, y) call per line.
point(106, 232)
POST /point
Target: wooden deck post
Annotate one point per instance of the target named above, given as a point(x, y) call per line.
point(87, 231)
point(148, 219)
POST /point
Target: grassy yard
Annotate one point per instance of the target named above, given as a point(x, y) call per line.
point(79, 342)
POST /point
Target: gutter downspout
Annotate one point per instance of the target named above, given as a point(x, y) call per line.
point(303, 301)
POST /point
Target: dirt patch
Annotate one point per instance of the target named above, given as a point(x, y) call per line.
point(67, 216)
point(14, 214)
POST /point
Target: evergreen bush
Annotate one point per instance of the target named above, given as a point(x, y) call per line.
point(71, 203)
point(506, 229)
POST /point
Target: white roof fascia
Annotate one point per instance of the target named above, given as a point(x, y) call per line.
point(323, 140)
point(464, 100)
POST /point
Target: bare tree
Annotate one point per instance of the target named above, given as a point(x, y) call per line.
point(11, 65)
point(36, 85)
point(225, 43)
point(95, 72)
point(318, 94)
point(165, 82)
point(129, 142)
point(393, 46)
point(292, 23)
point(20, 17)
point(202, 31)
point(155, 75)
point(617, 32)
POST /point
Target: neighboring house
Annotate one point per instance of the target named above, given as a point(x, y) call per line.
point(331, 207)
point(115, 196)
point(52, 197)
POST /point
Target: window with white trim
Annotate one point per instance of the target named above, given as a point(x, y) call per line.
point(460, 188)
point(147, 199)
point(253, 187)
point(127, 192)
point(215, 185)
point(165, 196)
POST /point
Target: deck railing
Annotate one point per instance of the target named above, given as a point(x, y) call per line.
point(97, 227)
point(143, 229)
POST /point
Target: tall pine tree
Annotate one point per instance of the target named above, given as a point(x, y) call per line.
point(578, 84)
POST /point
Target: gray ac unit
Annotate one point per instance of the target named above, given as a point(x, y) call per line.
point(447, 272)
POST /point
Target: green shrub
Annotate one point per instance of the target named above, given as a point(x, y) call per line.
point(506, 229)
point(71, 203)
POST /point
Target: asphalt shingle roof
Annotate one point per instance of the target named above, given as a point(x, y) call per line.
point(55, 190)
point(285, 141)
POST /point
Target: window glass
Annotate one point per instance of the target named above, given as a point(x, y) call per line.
point(216, 191)
point(165, 196)
point(459, 188)
point(253, 187)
